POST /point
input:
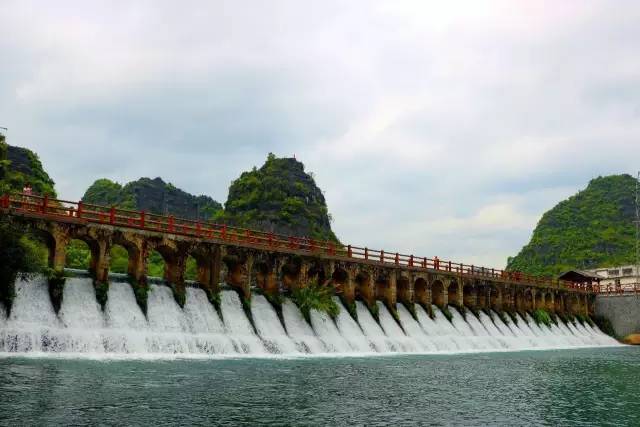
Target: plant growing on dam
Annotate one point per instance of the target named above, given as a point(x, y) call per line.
point(411, 308)
point(314, 296)
point(541, 317)
point(102, 290)
point(214, 297)
point(56, 280)
point(375, 311)
point(179, 294)
point(506, 319)
point(605, 326)
point(447, 313)
point(474, 310)
point(514, 317)
point(141, 291)
point(351, 308)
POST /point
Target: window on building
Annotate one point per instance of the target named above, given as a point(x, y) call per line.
point(627, 271)
point(613, 272)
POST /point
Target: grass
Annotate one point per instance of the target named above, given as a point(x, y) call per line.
point(351, 308)
point(542, 317)
point(141, 291)
point(179, 294)
point(56, 280)
point(447, 313)
point(315, 297)
point(605, 326)
point(102, 290)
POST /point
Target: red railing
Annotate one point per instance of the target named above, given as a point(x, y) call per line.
point(88, 213)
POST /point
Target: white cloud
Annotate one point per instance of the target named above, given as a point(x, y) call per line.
point(439, 127)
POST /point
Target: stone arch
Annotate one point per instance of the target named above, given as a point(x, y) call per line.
point(438, 296)
point(482, 296)
point(548, 301)
point(559, 302)
point(574, 304)
point(381, 286)
point(454, 296)
point(404, 289)
point(469, 295)
point(421, 292)
point(519, 300)
point(48, 240)
point(316, 272)
point(290, 273)
point(364, 287)
point(137, 252)
point(340, 282)
point(528, 299)
point(495, 298)
point(539, 299)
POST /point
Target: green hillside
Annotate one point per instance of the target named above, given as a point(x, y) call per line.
point(279, 197)
point(154, 196)
point(19, 166)
point(594, 228)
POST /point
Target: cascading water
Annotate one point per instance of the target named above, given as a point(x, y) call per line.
point(351, 331)
point(328, 333)
point(372, 330)
point(270, 328)
point(198, 329)
point(299, 330)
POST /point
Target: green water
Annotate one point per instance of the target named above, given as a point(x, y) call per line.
point(557, 388)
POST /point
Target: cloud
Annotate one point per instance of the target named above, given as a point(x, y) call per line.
point(433, 128)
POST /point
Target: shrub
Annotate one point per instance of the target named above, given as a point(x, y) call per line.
point(505, 317)
point(141, 291)
point(541, 317)
point(411, 308)
point(447, 313)
point(102, 290)
point(213, 295)
point(605, 325)
point(56, 280)
point(351, 308)
point(179, 294)
point(315, 297)
point(375, 311)
point(514, 317)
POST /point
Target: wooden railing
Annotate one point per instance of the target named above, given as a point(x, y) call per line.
point(66, 210)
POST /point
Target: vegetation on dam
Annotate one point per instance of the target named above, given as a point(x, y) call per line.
point(591, 229)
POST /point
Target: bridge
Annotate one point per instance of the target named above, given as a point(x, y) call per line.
point(247, 259)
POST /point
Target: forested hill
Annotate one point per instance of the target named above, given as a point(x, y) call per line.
point(279, 197)
point(19, 166)
point(594, 228)
point(154, 196)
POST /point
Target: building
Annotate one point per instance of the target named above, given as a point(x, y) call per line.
point(618, 279)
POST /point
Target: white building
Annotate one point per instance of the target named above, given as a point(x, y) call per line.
point(618, 279)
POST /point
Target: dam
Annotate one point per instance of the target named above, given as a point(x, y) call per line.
point(82, 328)
point(241, 303)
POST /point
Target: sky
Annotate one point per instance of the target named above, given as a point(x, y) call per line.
point(433, 128)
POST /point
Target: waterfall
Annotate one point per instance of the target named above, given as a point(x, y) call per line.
point(351, 331)
point(372, 330)
point(269, 327)
point(238, 326)
point(414, 330)
point(299, 330)
point(82, 327)
point(329, 333)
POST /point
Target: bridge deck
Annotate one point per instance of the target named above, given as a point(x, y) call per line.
point(63, 211)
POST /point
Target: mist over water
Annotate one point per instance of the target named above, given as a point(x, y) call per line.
point(83, 329)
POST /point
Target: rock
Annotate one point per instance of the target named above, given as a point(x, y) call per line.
point(633, 339)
